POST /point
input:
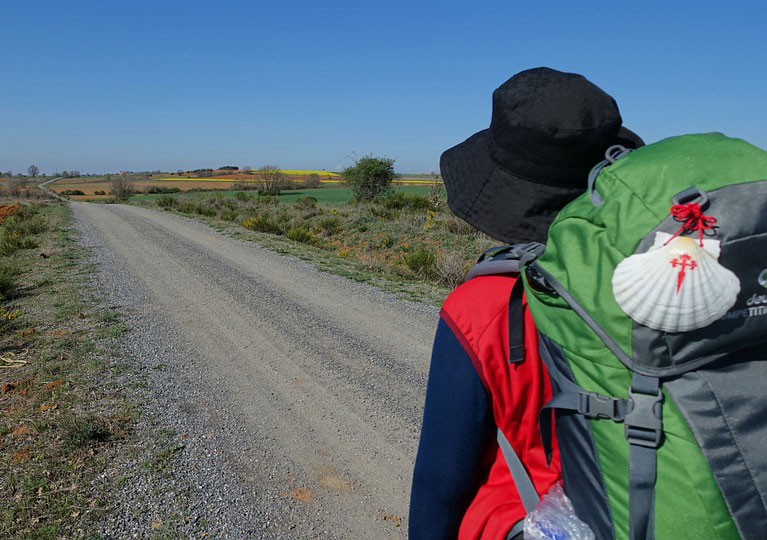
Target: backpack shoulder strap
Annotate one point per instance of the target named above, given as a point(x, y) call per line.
point(522, 481)
point(501, 260)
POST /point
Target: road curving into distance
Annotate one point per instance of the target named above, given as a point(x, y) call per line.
point(306, 388)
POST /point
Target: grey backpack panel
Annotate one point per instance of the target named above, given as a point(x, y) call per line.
point(723, 404)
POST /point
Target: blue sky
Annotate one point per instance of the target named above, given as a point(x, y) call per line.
point(105, 85)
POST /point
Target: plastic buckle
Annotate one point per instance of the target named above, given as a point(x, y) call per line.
point(644, 419)
point(529, 252)
point(538, 282)
point(599, 406)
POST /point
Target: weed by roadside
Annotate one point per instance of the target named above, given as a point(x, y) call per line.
point(9, 276)
point(58, 414)
point(421, 261)
point(19, 228)
point(411, 236)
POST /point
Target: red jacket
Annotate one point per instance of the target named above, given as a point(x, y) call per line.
point(477, 314)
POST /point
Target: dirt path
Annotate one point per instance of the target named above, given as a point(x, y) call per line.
point(318, 380)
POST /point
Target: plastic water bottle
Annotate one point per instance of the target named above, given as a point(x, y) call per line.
point(554, 519)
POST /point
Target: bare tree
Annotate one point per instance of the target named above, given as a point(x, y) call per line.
point(15, 186)
point(122, 187)
point(272, 179)
point(312, 181)
point(33, 171)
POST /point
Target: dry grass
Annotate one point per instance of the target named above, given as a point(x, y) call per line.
point(403, 235)
point(58, 413)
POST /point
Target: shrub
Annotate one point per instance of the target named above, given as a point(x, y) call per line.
point(436, 196)
point(283, 216)
point(301, 234)
point(36, 225)
point(229, 204)
point(16, 231)
point(369, 177)
point(162, 189)
point(399, 200)
point(306, 203)
point(242, 196)
point(8, 210)
point(246, 186)
point(387, 241)
point(167, 202)
point(313, 181)
point(6, 316)
point(99, 192)
point(68, 192)
point(272, 180)
point(187, 207)
point(460, 227)
point(228, 214)
point(268, 200)
point(261, 223)
point(204, 210)
point(13, 241)
point(451, 269)
point(421, 261)
point(419, 202)
point(330, 225)
point(25, 222)
point(122, 187)
point(14, 187)
point(9, 275)
point(384, 213)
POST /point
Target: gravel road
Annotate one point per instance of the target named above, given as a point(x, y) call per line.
point(294, 396)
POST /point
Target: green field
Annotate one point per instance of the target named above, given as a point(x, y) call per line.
point(329, 195)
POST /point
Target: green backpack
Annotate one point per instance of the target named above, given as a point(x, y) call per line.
point(661, 427)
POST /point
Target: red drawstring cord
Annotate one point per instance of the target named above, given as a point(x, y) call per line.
point(694, 220)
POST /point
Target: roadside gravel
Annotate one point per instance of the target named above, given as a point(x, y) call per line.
point(277, 401)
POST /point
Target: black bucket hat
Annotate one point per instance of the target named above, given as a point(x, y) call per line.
point(547, 131)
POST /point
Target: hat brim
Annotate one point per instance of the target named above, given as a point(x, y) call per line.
point(629, 139)
point(500, 204)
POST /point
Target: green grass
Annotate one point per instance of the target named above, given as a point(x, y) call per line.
point(327, 195)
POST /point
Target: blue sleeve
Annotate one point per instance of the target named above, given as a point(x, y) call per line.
point(457, 431)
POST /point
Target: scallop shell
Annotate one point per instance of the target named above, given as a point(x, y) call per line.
point(675, 287)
